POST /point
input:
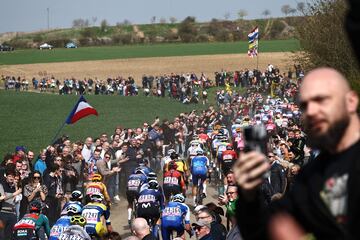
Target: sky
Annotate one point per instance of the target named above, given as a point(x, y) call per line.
point(27, 16)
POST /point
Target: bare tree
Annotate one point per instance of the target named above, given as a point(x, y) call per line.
point(285, 9)
point(153, 19)
point(300, 6)
point(94, 19)
point(266, 12)
point(173, 20)
point(242, 13)
point(292, 11)
point(227, 16)
point(80, 23)
point(162, 20)
point(103, 25)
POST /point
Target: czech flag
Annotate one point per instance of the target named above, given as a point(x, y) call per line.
point(80, 110)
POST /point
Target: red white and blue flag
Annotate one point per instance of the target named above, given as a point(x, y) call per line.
point(80, 110)
point(253, 37)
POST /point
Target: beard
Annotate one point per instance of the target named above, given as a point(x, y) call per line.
point(328, 140)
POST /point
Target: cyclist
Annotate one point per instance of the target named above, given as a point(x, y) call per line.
point(173, 181)
point(149, 205)
point(175, 217)
point(97, 216)
point(96, 186)
point(64, 221)
point(75, 200)
point(199, 169)
point(166, 159)
point(75, 230)
point(28, 227)
point(229, 157)
point(135, 181)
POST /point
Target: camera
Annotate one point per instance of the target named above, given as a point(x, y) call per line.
point(255, 139)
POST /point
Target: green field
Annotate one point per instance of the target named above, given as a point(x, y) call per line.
point(137, 51)
point(32, 119)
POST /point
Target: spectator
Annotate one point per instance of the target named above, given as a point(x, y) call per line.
point(327, 184)
point(8, 193)
point(218, 231)
point(203, 230)
point(141, 229)
point(40, 164)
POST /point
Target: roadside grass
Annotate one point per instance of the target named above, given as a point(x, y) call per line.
point(32, 119)
point(140, 51)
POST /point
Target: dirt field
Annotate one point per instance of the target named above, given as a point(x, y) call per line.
point(154, 66)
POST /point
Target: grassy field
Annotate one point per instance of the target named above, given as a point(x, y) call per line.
point(32, 119)
point(121, 52)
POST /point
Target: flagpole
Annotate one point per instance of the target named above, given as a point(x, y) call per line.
point(57, 133)
point(257, 57)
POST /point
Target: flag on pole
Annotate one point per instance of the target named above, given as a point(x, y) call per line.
point(80, 110)
point(253, 37)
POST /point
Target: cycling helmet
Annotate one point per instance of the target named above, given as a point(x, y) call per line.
point(97, 197)
point(238, 121)
point(195, 137)
point(139, 171)
point(35, 206)
point(73, 210)
point(78, 220)
point(171, 151)
point(76, 195)
point(229, 147)
point(153, 184)
point(199, 152)
point(152, 176)
point(178, 198)
point(172, 165)
point(174, 156)
point(96, 177)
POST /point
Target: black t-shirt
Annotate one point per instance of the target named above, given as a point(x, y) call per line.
point(149, 237)
point(334, 192)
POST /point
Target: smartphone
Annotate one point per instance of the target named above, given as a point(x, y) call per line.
point(255, 139)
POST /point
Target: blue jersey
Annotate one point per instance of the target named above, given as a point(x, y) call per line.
point(61, 224)
point(199, 165)
point(135, 181)
point(175, 214)
point(146, 170)
point(151, 197)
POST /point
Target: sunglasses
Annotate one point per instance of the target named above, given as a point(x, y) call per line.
point(107, 157)
point(228, 193)
point(197, 228)
point(37, 177)
point(271, 156)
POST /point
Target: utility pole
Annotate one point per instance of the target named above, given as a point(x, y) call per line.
point(48, 18)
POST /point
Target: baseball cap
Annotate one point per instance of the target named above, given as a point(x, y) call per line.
point(201, 223)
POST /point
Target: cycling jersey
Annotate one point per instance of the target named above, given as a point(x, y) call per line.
point(192, 151)
point(173, 183)
point(135, 181)
point(199, 168)
point(93, 212)
point(173, 217)
point(146, 170)
point(59, 227)
point(28, 226)
point(74, 232)
point(149, 203)
point(96, 187)
point(221, 148)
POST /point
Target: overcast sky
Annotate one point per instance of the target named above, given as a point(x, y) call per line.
point(31, 15)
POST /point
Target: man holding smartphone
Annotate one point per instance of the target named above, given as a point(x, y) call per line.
point(324, 199)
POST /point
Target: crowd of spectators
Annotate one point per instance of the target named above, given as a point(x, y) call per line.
point(53, 173)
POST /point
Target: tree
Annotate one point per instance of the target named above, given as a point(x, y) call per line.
point(266, 12)
point(162, 20)
point(153, 19)
point(323, 45)
point(242, 13)
point(103, 25)
point(187, 29)
point(292, 11)
point(285, 9)
point(300, 6)
point(80, 23)
point(227, 16)
point(173, 20)
point(94, 19)
point(126, 22)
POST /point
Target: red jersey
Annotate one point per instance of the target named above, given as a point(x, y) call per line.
point(173, 178)
point(228, 156)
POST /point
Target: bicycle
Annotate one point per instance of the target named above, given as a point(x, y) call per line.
point(200, 195)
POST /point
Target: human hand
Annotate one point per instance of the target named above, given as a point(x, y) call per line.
point(223, 200)
point(249, 170)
